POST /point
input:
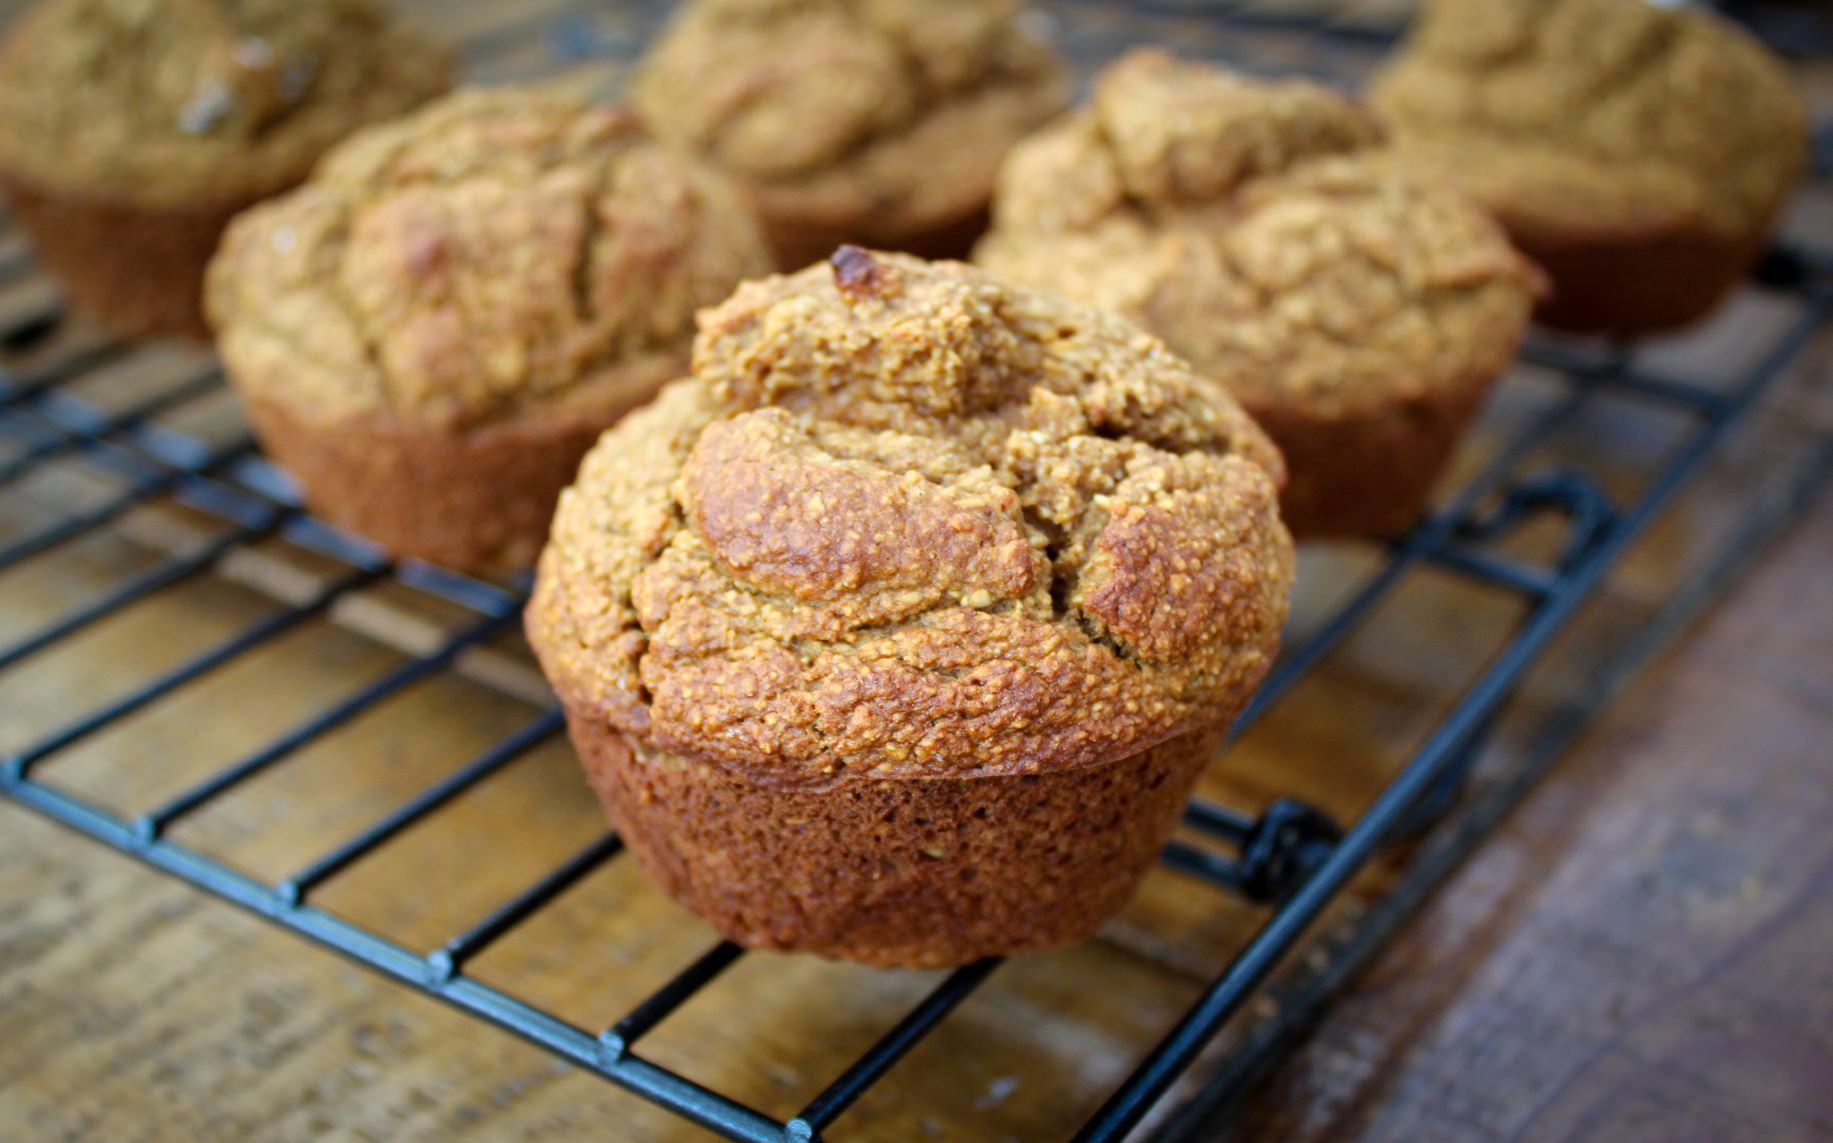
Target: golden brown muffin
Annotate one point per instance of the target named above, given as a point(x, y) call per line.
point(1638, 153)
point(432, 331)
point(899, 631)
point(135, 129)
point(879, 122)
point(1359, 315)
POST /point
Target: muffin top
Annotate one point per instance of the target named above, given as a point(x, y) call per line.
point(885, 105)
point(172, 101)
point(903, 521)
point(1602, 113)
point(502, 246)
point(1264, 233)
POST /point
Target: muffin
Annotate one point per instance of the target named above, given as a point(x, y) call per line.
point(135, 129)
point(1259, 228)
point(1639, 153)
point(432, 331)
point(900, 629)
point(872, 121)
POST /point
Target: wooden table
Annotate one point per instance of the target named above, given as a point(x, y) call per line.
point(1645, 951)
point(1641, 954)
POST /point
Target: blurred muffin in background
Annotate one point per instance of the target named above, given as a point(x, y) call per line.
point(431, 332)
point(135, 129)
point(879, 122)
point(1640, 154)
point(1262, 230)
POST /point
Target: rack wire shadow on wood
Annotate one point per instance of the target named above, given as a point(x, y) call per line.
point(1286, 855)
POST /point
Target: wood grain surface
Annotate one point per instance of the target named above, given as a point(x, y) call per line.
point(1645, 952)
point(1641, 955)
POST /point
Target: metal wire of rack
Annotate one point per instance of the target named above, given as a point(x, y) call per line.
point(1288, 856)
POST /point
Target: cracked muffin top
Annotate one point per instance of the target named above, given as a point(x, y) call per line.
point(1264, 233)
point(903, 521)
point(1607, 113)
point(165, 101)
point(889, 106)
point(501, 247)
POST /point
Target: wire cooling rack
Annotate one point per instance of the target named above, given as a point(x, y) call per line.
point(1284, 854)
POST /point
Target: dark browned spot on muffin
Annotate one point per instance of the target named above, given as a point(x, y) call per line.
point(861, 276)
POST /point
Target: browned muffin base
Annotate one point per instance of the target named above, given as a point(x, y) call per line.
point(1367, 474)
point(476, 501)
point(1617, 282)
point(796, 242)
point(896, 873)
point(137, 270)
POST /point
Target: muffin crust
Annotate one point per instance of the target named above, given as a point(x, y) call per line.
point(871, 121)
point(507, 265)
point(1263, 232)
point(1639, 152)
point(137, 128)
point(175, 102)
point(881, 521)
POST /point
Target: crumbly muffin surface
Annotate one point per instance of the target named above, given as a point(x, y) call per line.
point(1263, 232)
point(903, 521)
point(1611, 113)
point(165, 101)
point(886, 104)
point(502, 246)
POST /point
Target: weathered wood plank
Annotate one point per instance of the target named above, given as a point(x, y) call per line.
point(1642, 952)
